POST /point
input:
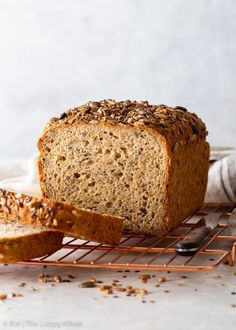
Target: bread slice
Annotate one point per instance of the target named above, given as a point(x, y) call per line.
point(61, 217)
point(146, 163)
point(20, 242)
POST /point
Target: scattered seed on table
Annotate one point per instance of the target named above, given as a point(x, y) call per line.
point(130, 291)
point(16, 294)
point(141, 292)
point(21, 285)
point(161, 279)
point(42, 279)
point(57, 279)
point(87, 284)
point(144, 277)
point(109, 291)
point(104, 287)
point(119, 289)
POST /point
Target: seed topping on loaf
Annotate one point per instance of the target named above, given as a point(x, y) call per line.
point(60, 216)
point(172, 122)
point(11, 203)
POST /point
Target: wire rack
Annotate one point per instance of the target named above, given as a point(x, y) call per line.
point(156, 253)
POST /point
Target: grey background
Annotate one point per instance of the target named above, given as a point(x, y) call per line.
point(56, 54)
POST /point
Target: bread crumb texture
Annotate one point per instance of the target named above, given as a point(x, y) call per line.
point(146, 163)
point(20, 242)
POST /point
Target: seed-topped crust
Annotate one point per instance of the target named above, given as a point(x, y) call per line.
point(176, 123)
point(59, 216)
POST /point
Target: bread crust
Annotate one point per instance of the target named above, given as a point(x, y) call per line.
point(186, 190)
point(29, 246)
point(62, 217)
point(174, 123)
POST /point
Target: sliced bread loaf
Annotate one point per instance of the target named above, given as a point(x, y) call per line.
point(146, 163)
point(60, 216)
point(21, 242)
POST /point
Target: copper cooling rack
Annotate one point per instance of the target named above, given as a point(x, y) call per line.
point(140, 252)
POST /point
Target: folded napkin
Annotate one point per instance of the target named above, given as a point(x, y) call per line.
point(21, 175)
point(222, 176)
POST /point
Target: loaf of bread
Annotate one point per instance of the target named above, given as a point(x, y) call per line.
point(52, 215)
point(146, 163)
point(20, 242)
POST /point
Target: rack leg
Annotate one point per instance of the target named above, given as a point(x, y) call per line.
point(231, 258)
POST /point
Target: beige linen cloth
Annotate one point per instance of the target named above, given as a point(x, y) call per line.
point(222, 176)
point(21, 175)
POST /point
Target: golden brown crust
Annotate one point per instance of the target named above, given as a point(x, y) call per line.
point(30, 246)
point(60, 216)
point(175, 123)
point(186, 189)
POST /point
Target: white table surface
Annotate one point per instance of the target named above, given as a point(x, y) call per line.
point(204, 301)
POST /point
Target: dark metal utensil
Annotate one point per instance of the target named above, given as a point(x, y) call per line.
point(192, 241)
